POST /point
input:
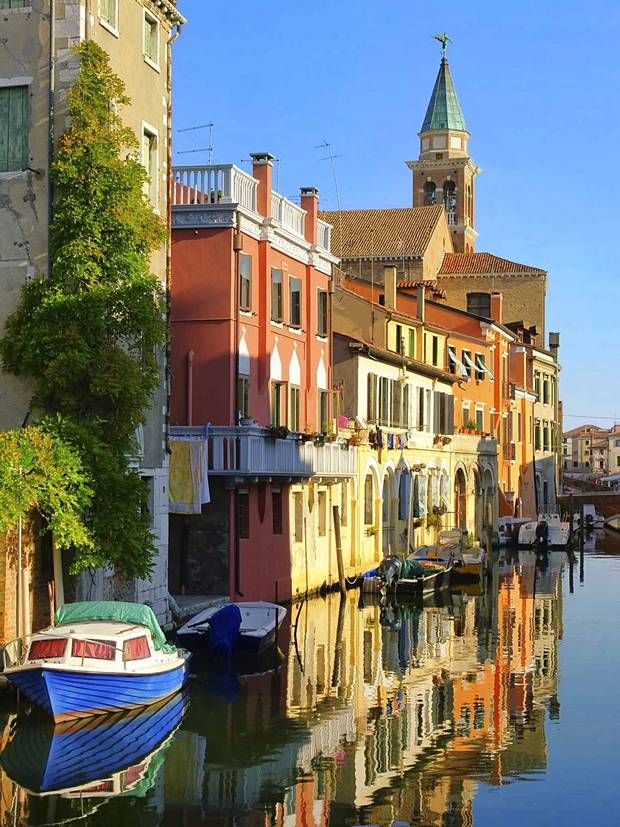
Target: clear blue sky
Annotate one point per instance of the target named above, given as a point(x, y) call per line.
point(538, 83)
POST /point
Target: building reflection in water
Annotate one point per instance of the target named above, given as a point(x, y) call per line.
point(374, 714)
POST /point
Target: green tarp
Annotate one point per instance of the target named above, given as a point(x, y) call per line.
point(134, 614)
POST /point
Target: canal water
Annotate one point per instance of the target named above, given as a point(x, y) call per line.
point(494, 706)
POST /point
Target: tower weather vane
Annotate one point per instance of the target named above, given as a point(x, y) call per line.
point(443, 38)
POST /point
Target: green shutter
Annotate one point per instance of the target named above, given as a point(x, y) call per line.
point(13, 128)
point(13, 4)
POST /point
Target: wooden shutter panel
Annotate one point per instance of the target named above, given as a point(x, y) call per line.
point(450, 418)
point(437, 412)
point(13, 128)
point(371, 402)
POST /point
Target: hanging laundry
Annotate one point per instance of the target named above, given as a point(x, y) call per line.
point(189, 484)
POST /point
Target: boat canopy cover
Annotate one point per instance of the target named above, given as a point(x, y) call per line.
point(134, 614)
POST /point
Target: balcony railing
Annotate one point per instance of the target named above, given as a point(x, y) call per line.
point(323, 235)
point(213, 184)
point(288, 215)
point(250, 450)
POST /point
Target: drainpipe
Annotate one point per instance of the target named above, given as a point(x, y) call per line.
point(190, 386)
point(51, 114)
point(237, 247)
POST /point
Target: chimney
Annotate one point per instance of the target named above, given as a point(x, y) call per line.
point(389, 286)
point(496, 307)
point(310, 203)
point(262, 170)
point(421, 303)
point(554, 344)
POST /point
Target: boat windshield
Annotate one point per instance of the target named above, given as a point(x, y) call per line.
point(52, 647)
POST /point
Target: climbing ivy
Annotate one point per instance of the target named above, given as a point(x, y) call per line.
point(89, 334)
point(41, 472)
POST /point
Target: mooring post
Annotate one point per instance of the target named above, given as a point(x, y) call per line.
point(338, 648)
point(341, 581)
point(582, 527)
point(571, 512)
point(571, 579)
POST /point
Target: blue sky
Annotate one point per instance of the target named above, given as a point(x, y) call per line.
point(538, 83)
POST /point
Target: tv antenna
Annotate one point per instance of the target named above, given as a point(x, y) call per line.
point(207, 149)
point(331, 158)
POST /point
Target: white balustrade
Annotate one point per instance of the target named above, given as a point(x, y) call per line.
point(252, 451)
point(288, 215)
point(323, 235)
point(213, 184)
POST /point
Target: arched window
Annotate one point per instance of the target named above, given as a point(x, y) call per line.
point(368, 500)
point(404, 497)
point(449, 200)
point(430, 198)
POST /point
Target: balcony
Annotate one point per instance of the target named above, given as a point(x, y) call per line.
point(250, 451)
point(323, 235)
point(213, 184)
point(288, 215)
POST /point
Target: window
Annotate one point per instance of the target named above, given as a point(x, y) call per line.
point(243, 514)
point(479, 304)
point(519, 427)
point(294, 302)
point(617, 443)
point(466, 418)
point(278, 404)
point(545, 437)
point(467, 363)
point(276, 511)
point(537, 437)
point(371, 398)
point(243, 395)
point(384, 401)
point(405, 414)
point(421, 418)
point(294, 408)
point(411, 343)
point(449, 200)
point(14, 4)
point(108, 12)
point(97, 649)
point(322, 327)
point(324, 411)
point(430, 194)
point(245, 281)
point(480, 366)
point(151, 37)
point(435, 351)
point(13, 128)
point(479, 419)
point(276, 295)
point(618, 462)
point(396, 404)
point(150, 164)
point(368, 500)
point(451, 359)
point(546, 394)
point(53, 647)
point(298, 503)
point(322, 513)
point(537, 383)
point(136, 649)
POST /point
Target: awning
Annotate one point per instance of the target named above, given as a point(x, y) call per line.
point(455, 361)
point(468, 361)
point(480, 365)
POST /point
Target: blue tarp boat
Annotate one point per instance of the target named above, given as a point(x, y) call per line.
point(99, 657)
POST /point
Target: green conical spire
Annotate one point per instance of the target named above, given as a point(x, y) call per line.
point(444, 110)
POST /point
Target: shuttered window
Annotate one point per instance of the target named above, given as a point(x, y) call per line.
point(371, 407)
point(14, 4)
point(108, 11)
point(13, 128)
point(151, 38)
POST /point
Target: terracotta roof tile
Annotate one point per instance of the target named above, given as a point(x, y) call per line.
point(404, 231)
point(483, 264)
point(431, 287)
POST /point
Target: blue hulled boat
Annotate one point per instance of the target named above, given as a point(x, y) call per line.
point(103, 755)
point(99, 657)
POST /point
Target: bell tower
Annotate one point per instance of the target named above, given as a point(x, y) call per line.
point(444, 172)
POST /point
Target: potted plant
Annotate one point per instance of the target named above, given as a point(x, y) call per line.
point(446, 440)
point(434, 521)
point(371, 530)
point(277, 431)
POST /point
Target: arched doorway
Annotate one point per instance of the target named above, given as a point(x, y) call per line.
point(479, 504)
point(460, 499)
point(490, 498)
point(386, 512)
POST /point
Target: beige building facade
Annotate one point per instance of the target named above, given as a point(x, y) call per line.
point(36, 70)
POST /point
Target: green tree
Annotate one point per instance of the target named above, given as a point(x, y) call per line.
point(89, 335)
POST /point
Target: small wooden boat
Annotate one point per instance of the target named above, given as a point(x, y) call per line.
point(98, 657)
point(425, 571)
point(548, 531)
point(235, 627)
point(100, 756)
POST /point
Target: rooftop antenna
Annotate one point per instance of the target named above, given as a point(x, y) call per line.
point(443, 38)
point(208, 149)
point(332, 158)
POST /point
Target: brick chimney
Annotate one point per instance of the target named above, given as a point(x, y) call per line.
point(496, 307)
point(262, 169)
point(389, 286)
point(310, 203)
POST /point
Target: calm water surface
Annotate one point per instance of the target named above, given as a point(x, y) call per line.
point(498, 707)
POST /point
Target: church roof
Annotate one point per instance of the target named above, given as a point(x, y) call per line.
point(404, 231)
point(482, 264)
point(444, 110)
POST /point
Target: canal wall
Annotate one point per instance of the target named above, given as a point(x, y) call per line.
point(606, 503)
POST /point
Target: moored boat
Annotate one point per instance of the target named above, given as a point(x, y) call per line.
point(99, 657)
point(235, 627)
point(591, 519)
point(548, 531)
point(508, 529)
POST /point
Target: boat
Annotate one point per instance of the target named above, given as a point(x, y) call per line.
point(422, 573)
point(235, 627)
point(508, 529)
point(469, 565)
point(548, 531)
point(99, 756)
point(590, 517)
point(100, 656)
